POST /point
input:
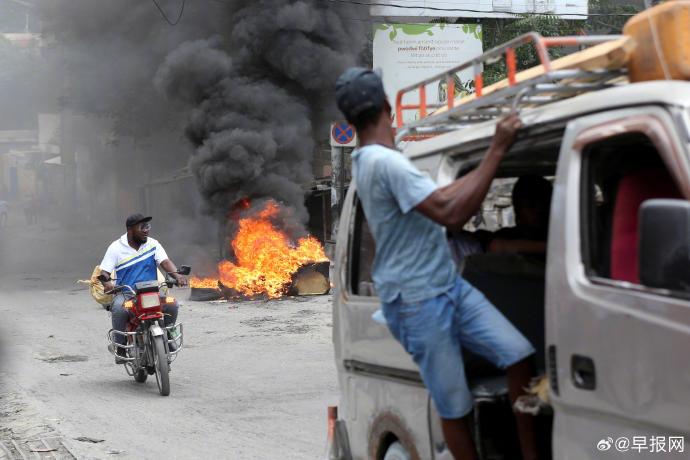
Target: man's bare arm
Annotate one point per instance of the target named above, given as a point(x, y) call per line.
point(454, 205)
point(170, 267)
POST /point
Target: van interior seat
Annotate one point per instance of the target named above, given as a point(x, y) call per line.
point(515, 284)
point(633, 189)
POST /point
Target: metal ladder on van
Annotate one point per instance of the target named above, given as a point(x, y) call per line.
point(547, 87)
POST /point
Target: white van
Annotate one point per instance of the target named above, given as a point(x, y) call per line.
point(608, 310)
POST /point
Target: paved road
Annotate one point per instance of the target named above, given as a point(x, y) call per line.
point(253, 382)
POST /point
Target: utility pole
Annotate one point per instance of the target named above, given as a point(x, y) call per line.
point(337, 188)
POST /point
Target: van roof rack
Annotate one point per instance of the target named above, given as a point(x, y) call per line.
point(546, 86)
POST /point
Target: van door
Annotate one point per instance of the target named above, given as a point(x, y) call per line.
point(382, 395)
point(363, 341)
point(617, 350)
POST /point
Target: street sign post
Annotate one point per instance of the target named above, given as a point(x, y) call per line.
point(343, 140)
point(343, 135)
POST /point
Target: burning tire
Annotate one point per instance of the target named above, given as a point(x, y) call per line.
point(266, 262)
point(205, 294)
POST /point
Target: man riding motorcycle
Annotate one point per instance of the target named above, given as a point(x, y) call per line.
point(134, 258)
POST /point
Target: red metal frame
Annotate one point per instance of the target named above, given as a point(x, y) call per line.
point(140, 314)
point(506, 51)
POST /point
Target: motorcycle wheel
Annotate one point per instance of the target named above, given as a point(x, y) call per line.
point(140, 375)
point(160, 360)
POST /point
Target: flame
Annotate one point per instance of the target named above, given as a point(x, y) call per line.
point(265, 258)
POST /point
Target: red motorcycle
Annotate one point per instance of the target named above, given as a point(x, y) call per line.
point(150, 346)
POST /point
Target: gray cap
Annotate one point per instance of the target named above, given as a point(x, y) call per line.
point(359, 89)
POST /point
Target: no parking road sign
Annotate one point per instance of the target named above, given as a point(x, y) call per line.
point(343, 135)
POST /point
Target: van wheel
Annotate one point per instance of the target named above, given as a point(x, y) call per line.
point(389, 428)
point(396, 451)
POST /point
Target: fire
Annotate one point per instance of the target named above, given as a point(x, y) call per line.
point(265, 258)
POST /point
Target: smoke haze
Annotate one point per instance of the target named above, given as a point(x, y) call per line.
point(229, 103)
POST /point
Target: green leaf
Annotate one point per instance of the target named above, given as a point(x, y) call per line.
point(416, 29)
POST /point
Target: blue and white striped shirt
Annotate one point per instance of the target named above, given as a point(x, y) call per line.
point(132, 266)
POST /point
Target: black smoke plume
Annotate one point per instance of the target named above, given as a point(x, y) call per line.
point(261, 95)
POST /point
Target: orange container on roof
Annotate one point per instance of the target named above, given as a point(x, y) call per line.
point(662, 34)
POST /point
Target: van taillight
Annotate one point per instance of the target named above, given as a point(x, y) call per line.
point(553, 368)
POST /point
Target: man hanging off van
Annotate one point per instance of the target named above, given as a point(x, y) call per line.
point(429, 309)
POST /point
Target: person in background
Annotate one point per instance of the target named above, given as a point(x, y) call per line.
point(531, 198)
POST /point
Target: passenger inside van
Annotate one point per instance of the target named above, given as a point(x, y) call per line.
point(531, 199)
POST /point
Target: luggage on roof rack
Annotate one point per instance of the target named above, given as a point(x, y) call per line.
point(662, 34)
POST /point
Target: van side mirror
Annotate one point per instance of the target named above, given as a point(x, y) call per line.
point(664, 244)
point(185, 270)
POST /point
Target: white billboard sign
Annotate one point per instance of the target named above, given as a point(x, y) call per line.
point(566, 9)
point(409, 53)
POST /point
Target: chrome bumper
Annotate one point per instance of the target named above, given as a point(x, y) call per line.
point(111, 338)
point(176, 338)
point(174, 335)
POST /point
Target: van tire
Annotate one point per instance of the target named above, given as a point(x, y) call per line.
point(396, 451)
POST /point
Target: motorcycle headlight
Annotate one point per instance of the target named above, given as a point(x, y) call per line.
point(150, 300)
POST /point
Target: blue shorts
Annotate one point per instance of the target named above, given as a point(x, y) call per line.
point(435, 330)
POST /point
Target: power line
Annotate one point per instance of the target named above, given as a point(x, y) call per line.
point(466, 10)
point(165, 16)
point(462, 10)
point(435, 8)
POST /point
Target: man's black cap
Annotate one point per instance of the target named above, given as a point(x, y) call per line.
point(359, 89)
point(135, 219)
